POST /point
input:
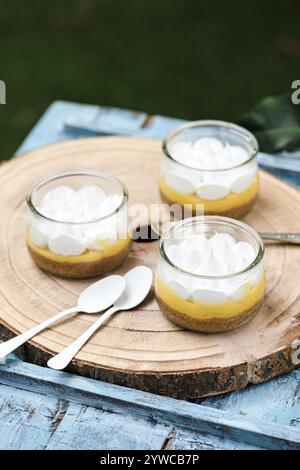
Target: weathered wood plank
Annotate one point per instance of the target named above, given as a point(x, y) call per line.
point(28, 420)
point(187, 440)
point(277, 400)
point(114, 398)
point(86, 428)
point(51, 126)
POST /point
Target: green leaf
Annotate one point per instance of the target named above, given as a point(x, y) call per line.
point(278, 140)
point(275, 121)
point(272, 112)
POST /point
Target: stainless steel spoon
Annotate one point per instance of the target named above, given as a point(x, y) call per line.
point(284, 237)
point(148, 233)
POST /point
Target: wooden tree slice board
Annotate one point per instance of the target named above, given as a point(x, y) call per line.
point(141, 348)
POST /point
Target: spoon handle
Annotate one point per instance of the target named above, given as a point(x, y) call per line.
point(12, 344)
point(287, 237)
point(154, 232)
point(61, 360)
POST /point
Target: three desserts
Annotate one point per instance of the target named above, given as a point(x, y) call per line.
point(210, 276)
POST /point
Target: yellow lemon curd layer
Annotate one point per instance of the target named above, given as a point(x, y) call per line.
point(199, 311)
point(231, 201)
point(105, 250)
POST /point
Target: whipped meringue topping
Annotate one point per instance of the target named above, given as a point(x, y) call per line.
point(208, 153)
point(219, 255)
point(210, 169)
point(89, 203)
point(70, 229)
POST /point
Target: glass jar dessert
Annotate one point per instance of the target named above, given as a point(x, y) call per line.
point(210, 275)
point(77, 225)
point(212, 164)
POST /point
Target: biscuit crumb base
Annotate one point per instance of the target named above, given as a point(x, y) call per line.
point(79, 270)
point(212, 325)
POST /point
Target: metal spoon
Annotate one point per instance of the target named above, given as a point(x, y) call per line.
point(149, 233)
point(285, 237)
point(97, 297)
point(138, 284)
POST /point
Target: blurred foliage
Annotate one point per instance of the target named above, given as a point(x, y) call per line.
point(187, 58)
point(275, 121)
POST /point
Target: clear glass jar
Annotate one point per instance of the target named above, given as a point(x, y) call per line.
point(72, 246)
point(230, 191)
point(209, 303)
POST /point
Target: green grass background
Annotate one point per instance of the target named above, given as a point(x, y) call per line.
point(192, 59)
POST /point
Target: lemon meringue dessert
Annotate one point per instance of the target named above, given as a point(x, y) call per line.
point(210, 276)
point(77, 224)
point(212, 164)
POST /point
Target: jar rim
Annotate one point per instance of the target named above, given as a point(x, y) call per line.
point(56, 176)
point(211, 123)
point(215, 220)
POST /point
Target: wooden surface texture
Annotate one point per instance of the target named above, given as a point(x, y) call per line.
point(141, 348)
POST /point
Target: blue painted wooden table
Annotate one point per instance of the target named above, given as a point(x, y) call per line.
point(45, 409)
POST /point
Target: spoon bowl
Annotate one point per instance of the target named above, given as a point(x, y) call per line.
point(138, 284)
point(101, 294)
